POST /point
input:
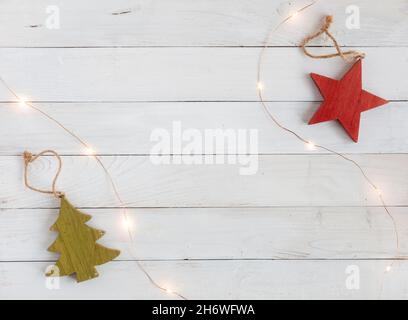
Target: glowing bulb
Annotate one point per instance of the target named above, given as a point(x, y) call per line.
point(387, 268)
point(127, 223)
point(294, 15)
point(22, 102)
point(169, 291)
point(89, 151)
point(378, 191)
point(310, 145)
point(260, 86)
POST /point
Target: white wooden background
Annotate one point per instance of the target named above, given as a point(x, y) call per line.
point(288, 232)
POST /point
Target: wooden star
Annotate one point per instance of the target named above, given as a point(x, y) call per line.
point(344, 100)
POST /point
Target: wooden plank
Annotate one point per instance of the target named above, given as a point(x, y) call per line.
point(219, 233)
point(187, 74)
point(194, 23)
point(126, 128)
point(311, 217)
point(216, 280)
point(281, 180)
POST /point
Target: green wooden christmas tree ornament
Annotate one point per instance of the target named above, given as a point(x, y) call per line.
point(76, 242)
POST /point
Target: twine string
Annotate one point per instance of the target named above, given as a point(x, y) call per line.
point(30, 158)
point(345, 55)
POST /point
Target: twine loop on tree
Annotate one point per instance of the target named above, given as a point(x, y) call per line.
point(345, 55)
point(30, 158)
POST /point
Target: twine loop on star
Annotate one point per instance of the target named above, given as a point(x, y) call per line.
point(345, 55)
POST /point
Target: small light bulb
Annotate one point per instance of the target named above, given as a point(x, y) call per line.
point(387, 268)
point(294, 15)
point(127, 223)
point(89, 151)
point(260, 86)
point(169, 291)
point(310, 145)
point(22, 102)
point(378, 191)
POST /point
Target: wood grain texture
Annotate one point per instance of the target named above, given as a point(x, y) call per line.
point(129, 67)
point(126, 128)
point(219, 233)
point(203, 74)
point(195, 23)
point(76, 244)
point(281, 180)
point(215, 280)
point(345, 100)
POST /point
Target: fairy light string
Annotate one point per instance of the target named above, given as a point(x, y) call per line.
point(311, 145)
point(88, 150)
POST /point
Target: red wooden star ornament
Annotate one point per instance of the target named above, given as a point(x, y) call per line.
point(344, 100)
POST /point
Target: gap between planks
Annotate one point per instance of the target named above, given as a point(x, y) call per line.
point(192, 46)
point(204, 207)
point(222, 259)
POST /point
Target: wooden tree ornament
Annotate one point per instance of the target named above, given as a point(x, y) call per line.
point(76, 241)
